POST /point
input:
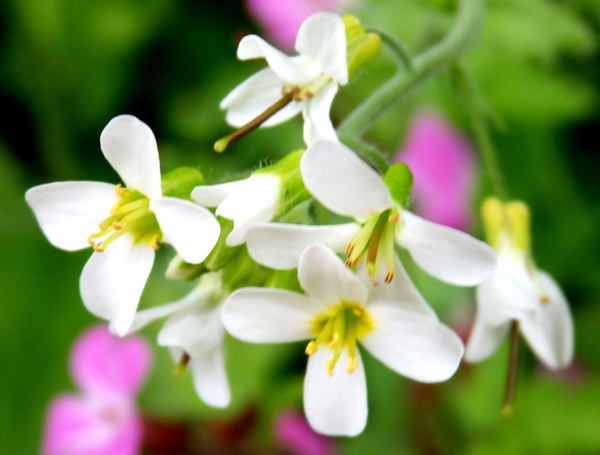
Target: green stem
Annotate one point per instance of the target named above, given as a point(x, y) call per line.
point(424, 65)
point(396, 46)
point(467, 91)
point(513, 363)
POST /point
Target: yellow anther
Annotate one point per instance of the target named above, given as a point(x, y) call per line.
point(116, 225)
point(394, 218)
point(335, 340)
point(98, 248)
point(389, 276)
point(90, 239)
point(311, 348)
point(296, 96)
point(330, 366)
point(351, 263)
point(349, 249)
point(372, 279)
point(154, 242)
point(180, 368)
point(357, 312)
point(121, 192)
point(545, 299)
point(309, 95)
point(114, 213)
point(352, 363)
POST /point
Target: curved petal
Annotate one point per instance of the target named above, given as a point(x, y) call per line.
point(322, 38)
point(191, 229)
point(551, 336)
point(145, 317)
point(445, 253)
point(400, 292)
point(210, 378)
point(484, 339)
point(68, 212)
point(317, 124)
point(112, 281)
point(335, 405)
point(254, 96)
point(342, 182)
point(279, 245)
point(107, 365)
point(412, 344)
point(324, 277)
point(290, 69)
point(262, 315)
point(213, 195)
point(129, 146)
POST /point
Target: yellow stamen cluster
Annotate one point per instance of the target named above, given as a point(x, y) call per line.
point(376, 238)
point(131, 214)
point(307, 90)
point(338, 328)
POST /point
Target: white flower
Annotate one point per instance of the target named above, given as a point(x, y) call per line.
point(195, 335)
point(127, 223)
point(519, 291)
point(392, 322)
point(312, 77)
point(343, 183)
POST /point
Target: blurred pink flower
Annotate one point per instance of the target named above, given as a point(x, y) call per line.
point(103, 418)
point(442, 162)
point(293, 432)
point(281, 19)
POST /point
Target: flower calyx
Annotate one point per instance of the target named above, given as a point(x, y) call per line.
point(362, 46)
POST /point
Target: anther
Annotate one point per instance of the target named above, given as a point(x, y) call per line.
point(114, 213)
point(309, 95)
point(179, 369)
point(154, 242)
point(296, 94)
point(116, 225)
point(311, 348)
point(330, 366)
point(350, 263)
point(372, 279)
point(394, 218)
point(352, 364)
point(545, 299)
point(389, 276)
point(357, 312)
point(121, 192)
point(349, 249)
point(98, 248)
point(90, 239)
point(335, 340)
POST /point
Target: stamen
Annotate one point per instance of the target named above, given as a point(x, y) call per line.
point(349, 249)
point(90, 239)
point(309, 95)
point(121, 192)
point(180, 368)
point(545, 299)
point(330, 366)
point(98, 248)
point(116, 225)
point(394, 218)
point(154, 242)
point(335, 340)
point(389, 276)
point(357, 312)
point(352, 364)
point(311, 348)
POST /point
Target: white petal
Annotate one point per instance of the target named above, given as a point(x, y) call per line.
point(335, 405)
point(401, 292)
point(191, 229)
point(324, 276)
point(112, 281)
point(255, 202)
point(290, 69)
point(342, 182)
point(413, 344)
point(322, 38)
point(262, 315)
point(210, 378)
point(253, 96)
point(445, 253)
point(213, 195)
point(279, 245)
point(145, 317)
point(317, 124)
point(68, 212)
point(551, 337)
point(484, 339)
point(130, 147)
point(196, 330)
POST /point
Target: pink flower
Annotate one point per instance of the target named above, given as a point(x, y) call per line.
point(281, 19)
point(103, 418)
point(293, 432)
point(442, 162)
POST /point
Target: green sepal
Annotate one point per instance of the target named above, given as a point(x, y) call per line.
point(284, 166)
point(221, 253)
point(399, 180)
point(362, 47)
point(293, 192)
point(180, 182)
point(178, 269)
point(242, 271)
point(284, 279)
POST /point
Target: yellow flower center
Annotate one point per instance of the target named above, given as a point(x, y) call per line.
point(376, 240)
point(131, 214)
point(338, 328)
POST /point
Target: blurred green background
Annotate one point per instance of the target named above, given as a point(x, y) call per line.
point(68, 66)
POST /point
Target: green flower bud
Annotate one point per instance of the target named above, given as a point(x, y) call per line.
point(362, 47)
point(399, 180)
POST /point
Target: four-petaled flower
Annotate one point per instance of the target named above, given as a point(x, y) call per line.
point(128, 223)
point(392, 322)
point(103, 418)
point(311, 79)
point(343, 183)
point(195, 335)
point(519, 291)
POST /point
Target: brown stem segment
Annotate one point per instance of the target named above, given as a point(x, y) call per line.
point(222, 144)
point(185, 358)
point(511, 378)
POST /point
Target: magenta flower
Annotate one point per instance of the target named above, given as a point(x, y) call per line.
point(281, 20)
point(442, 162)
point(103, 418)
point(294, 433)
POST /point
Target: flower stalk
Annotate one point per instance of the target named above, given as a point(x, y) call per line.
point(511, 378)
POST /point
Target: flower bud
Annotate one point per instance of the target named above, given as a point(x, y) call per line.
point(362, 47)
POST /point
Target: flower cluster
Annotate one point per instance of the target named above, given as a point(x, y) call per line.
point(235, 238)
